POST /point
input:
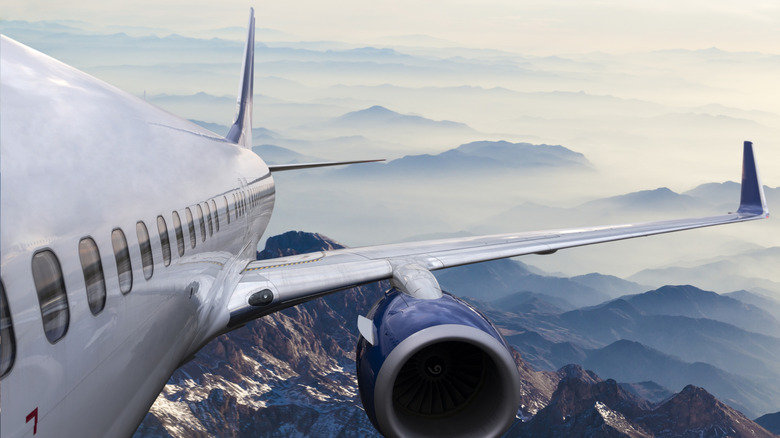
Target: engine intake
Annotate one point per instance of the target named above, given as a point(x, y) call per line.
point(438, 368)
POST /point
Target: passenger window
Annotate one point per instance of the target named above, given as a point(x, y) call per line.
point(216, 215)
point(124, 267)
point(227, 209)
point(179, 233)
point(147, 260)
point(236, 207)
point(208, 219)
point(93, 275)
point(162, 228)
point(7, 338)
point(52, 298)
point(201, 222)
point(191, 226)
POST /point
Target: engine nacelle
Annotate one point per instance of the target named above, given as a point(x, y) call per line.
point(437, 368)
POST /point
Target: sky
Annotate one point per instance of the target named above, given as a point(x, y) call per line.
point(538, 27)
point(627, 112)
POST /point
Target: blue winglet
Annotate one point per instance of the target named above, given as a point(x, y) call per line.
point(752, 201)
point(241, 131)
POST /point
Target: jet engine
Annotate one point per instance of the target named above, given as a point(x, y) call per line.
point(435, 367)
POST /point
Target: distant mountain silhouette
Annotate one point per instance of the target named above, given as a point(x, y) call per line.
point(648, 390)
point(692, 339)
point(750, 269)
point(661, 198)
point(644, 205)
point(716, 193)
point(384, 125)
point(763, 302)
point(738, 365)
point(542, 353)
point(609, 284)
point(531, 302)
point(379, 116)
point(492, 280)
point(629, 361)
point(477, 157)
point(770, 422)
point(696, 303)
point(273, 154)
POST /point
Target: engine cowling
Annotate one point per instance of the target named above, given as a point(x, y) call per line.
point(437, 368)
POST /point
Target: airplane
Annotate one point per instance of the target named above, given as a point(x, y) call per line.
point(128, 240)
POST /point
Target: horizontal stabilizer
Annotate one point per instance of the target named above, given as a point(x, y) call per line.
point(298, 166)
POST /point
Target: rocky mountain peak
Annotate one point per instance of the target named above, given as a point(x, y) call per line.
point(296, 242)
point(604, 409)
point(695, 412)
point(575, 371)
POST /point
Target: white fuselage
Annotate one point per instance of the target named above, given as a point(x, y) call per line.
point(80, 159)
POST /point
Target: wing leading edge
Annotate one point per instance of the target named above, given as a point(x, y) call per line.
point(270, 285)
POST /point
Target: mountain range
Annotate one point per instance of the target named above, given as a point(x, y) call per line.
point(292, 374)
point(583, 405)
point(493, 280)
point(723, 344)
point(479, 157)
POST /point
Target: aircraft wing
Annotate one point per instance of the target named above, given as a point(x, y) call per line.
point(270, 285)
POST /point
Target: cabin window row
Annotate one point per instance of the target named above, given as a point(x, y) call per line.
point(49, 280)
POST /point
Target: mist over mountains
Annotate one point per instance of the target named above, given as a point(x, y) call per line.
point(638, 343)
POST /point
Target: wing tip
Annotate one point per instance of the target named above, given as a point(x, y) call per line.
point(752, 200)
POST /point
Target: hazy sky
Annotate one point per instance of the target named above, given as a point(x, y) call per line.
point(666, 100)
point(543, 27)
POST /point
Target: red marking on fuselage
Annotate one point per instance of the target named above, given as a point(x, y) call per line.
point(30, 416)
